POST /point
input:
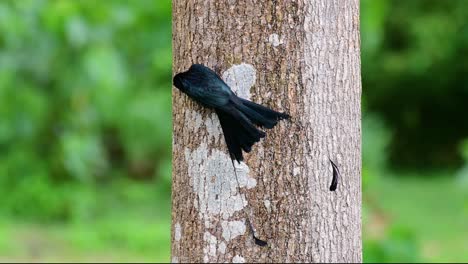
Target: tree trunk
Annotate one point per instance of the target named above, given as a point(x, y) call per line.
point(301, 57)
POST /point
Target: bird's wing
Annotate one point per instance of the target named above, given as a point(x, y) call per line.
point(211, 95)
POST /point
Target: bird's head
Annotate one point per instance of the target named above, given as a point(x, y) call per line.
point(196, 74)
point(179, 81)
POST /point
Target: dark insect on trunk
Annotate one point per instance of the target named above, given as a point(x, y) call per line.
point(336, 176)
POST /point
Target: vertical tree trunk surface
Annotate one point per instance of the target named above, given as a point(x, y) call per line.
point(301, 57)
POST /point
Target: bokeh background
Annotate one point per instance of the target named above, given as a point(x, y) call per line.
point(85, 130)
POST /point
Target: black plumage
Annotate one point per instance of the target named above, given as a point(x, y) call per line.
point(237, 116)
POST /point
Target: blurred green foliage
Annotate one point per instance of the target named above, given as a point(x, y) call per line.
point(85, 93)
point(85, 99)
point(415, 77)
point(415, 87)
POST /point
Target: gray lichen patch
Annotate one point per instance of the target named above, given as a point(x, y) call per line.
point(267, 204)
point(238, 259)
point(177, 232)
point(240, 78)
point(232, 229)
point(242, 171)
point(296, 171)
point(213, 127)
point(212, 179)
point(222, 248)
point(275, 40)
point(210, 246)
point(193, 119)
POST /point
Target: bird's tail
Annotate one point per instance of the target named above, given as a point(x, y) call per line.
point(259, 114)
point(238, 127)
point(239, 133)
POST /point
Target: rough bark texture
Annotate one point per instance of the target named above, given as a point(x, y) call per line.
point(301, 57)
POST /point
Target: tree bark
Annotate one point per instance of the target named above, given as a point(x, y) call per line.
point(301, 57)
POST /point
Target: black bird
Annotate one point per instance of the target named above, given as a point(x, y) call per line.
point(236, 115)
